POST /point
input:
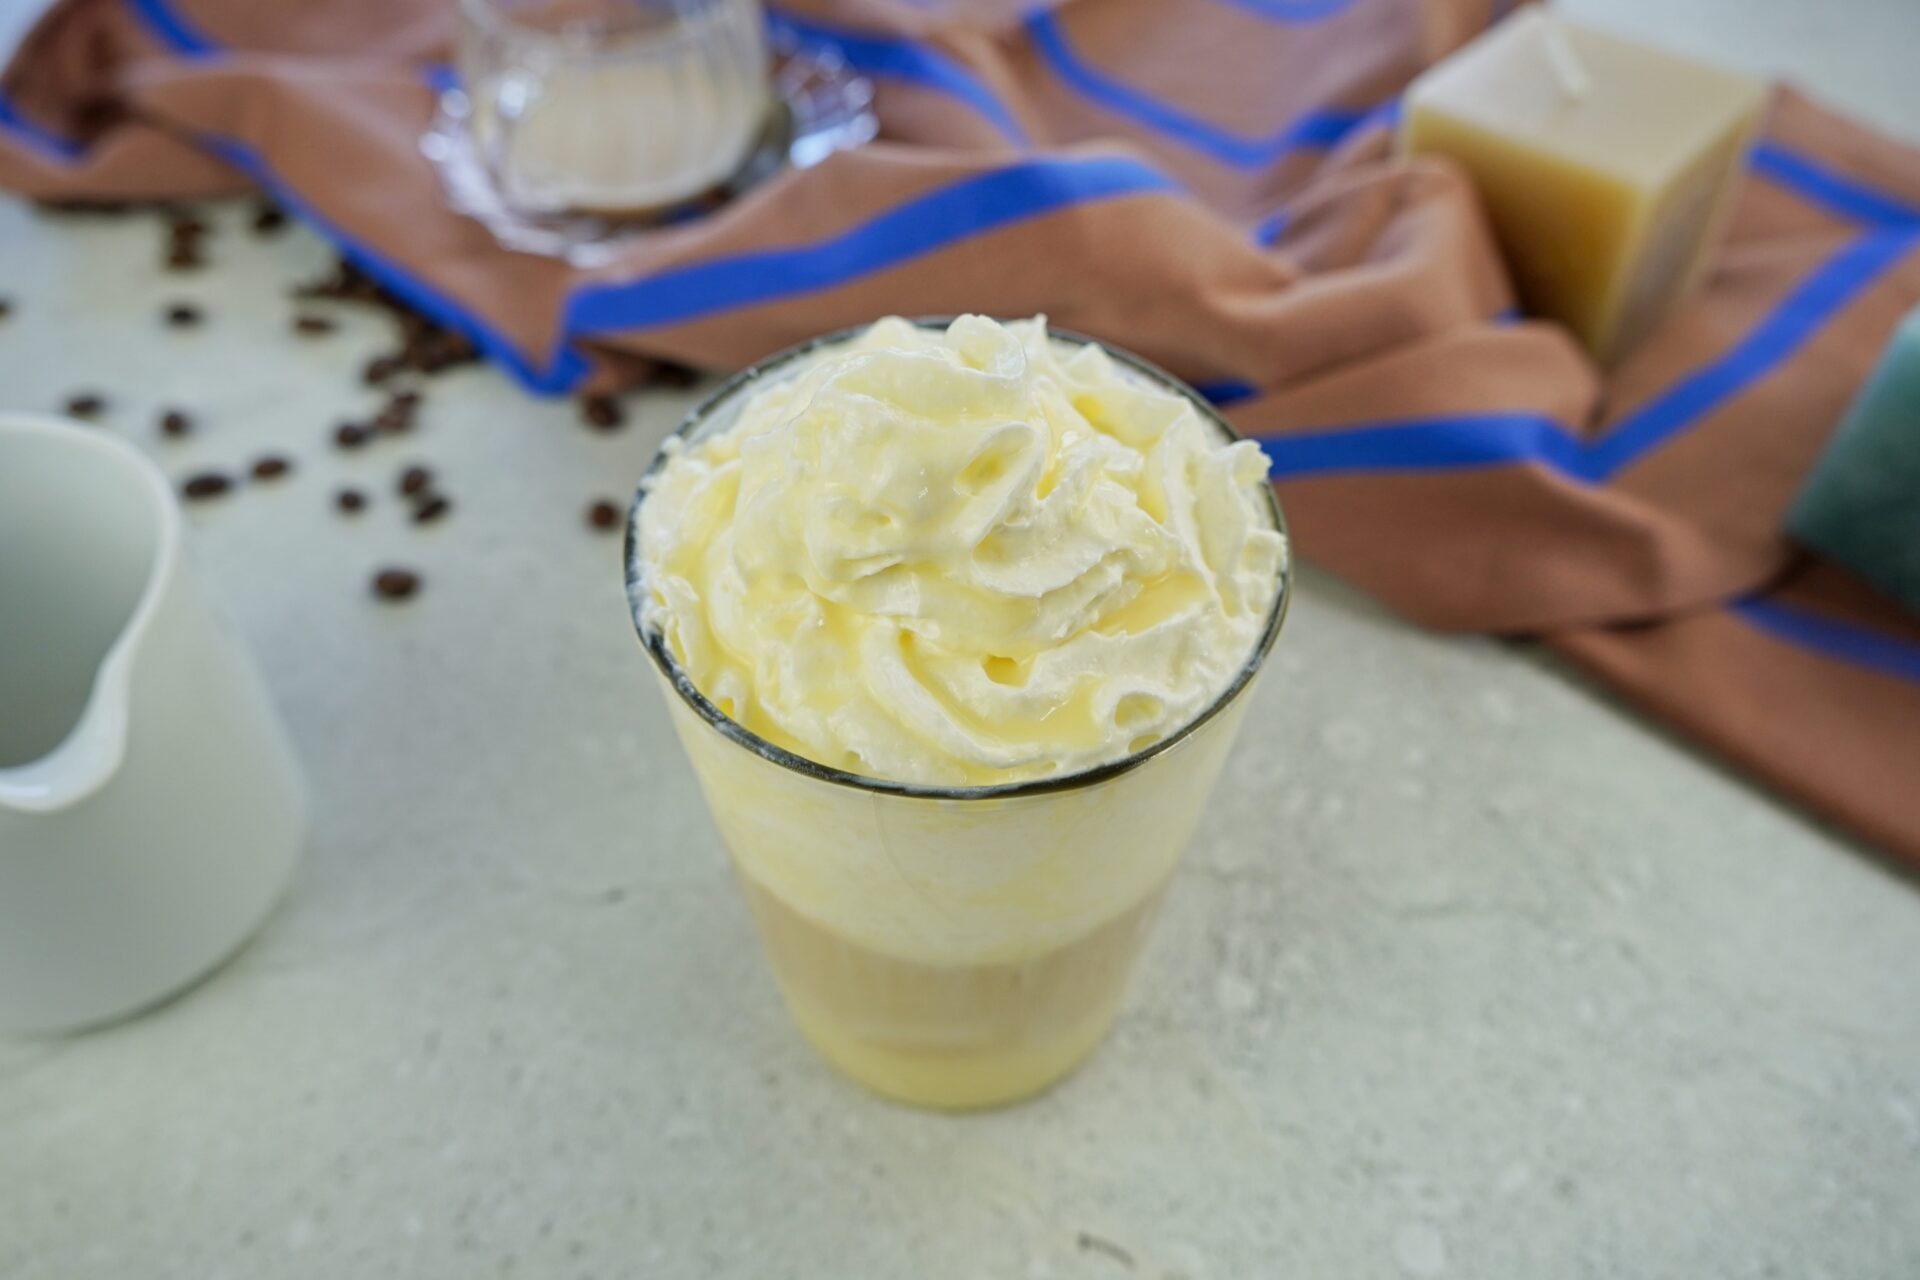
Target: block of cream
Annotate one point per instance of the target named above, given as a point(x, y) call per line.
point(1606, 166)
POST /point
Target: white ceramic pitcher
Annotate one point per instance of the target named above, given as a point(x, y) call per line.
point(150, 806)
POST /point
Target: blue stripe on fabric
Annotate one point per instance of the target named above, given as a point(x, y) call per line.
point(1830, 637)
point(1447, 444)
point(1796, 319)
point(1292, 10)
point(1431, 445)
point(947, 215)
point(1788, 327)
point(1435, 444)
point(904, 59)
point(1840, 194)
point(441, 77)
point(1316, 129)
point(173, 29)
point(977, 205)
point(1226, 391)
point(48, 143)
point(1387, 113)
point(1270, 228)
point(565, 372)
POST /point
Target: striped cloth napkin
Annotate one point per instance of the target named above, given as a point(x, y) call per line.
point(1206, 182)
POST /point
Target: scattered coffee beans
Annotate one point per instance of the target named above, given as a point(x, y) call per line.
point(350, 500)
point(271, 467)
point(183, 315)
point(603, 413)
point(208, 484)
point(268, 218)
point(176, 424)
point(396, 584)
point(350, 435)
point(313, 326)
point(86, 404)
point(603, 515)
point(432, 507)
point(395, 419)
point(415, 480)
point(184, 235)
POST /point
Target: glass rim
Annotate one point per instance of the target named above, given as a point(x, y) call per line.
point(653, 640)
point(497, 17)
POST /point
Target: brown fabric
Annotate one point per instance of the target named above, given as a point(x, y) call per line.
point(1476, 473)
point(1809, 726)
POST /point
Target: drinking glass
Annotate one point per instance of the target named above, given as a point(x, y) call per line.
point(948, 946)
point(612, 107)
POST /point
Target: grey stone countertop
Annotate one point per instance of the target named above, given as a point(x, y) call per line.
point(1468, 973)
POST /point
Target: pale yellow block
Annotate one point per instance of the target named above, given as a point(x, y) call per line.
point(1606, 192)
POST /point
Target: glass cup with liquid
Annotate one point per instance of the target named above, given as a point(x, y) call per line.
point(613, 107)
point(949, 946)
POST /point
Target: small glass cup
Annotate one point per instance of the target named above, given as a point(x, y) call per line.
point(950, 947)
point(613, 107)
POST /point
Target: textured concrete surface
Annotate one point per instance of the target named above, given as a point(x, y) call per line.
point(1469, 973)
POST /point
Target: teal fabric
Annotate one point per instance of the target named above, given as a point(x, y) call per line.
point(1861, 505)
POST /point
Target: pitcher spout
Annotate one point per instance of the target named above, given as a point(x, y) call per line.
point(88, 542)
point(86, 759)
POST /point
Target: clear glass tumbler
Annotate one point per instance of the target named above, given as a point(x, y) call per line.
point(948, 946)
point(613, 107)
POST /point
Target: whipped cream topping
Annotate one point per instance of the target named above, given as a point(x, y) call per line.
point(961, 557)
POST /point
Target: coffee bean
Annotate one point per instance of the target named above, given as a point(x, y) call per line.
point(175, 424)
point(347, 283)
point(313, 326)
point(395, 584)
point(430, 358)
point(350, 435)
point(395, 419)
point(184, 257)
point(6, 308)
point(439, 349)
point(603, 515)
point(449, 344)
point(86, 404)
point(186, 226)
point(379, 369)
point(414, 480)
point(409, 399)
point(271, 467)
point(208, 484)
point(319, 287)
point(183, 315)
point(603, 413)
point(268, 218)
point(432, 507)
point(350, 500)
